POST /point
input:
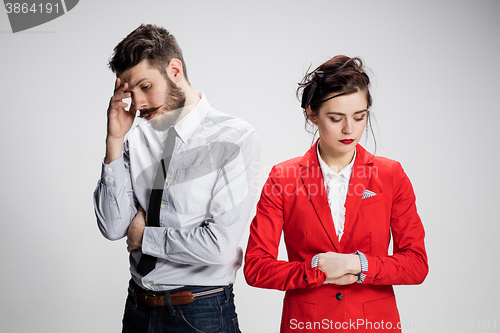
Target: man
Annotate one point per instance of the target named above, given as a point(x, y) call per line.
point(179, 186)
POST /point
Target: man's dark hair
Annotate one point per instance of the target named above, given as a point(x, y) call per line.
point(149, 42)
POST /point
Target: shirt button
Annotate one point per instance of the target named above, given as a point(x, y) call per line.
point(114, 202)
point(162, 206)
point(149, 284)
point(339, 296)
point(109, 169)
point(111, 179)
point(166, 180)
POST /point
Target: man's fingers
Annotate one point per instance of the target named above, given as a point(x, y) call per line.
point(118, 104)
point(119, 95)
point(122, 105)
point(117, 83)
point(120, 87)
point(115, 109)
point(116, 101)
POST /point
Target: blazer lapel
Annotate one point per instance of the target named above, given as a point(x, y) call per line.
point(358, 183)
point(312, 178)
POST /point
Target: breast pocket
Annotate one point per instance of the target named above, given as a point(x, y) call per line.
point(191, 189)
point(373, 209)
point(372, 226)
point(371, 200)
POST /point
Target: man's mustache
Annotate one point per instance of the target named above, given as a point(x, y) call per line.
point(147, 112)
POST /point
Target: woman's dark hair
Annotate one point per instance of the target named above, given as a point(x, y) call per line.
point(149, 42)
point(340, 75)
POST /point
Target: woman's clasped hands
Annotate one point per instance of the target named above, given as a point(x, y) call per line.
point(340, 268)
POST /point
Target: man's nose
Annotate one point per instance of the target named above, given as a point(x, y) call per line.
point(139, 101)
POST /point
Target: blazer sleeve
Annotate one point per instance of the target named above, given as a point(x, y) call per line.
point(408, 264)
point(262, 268)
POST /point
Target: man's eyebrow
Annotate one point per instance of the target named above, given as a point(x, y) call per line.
point(138, 82)
point(343, 114)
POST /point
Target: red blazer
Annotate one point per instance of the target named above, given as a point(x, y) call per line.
point(294, 202)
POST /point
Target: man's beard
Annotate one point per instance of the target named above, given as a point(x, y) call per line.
point(171, 110)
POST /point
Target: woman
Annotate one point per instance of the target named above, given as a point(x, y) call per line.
point(338, 206)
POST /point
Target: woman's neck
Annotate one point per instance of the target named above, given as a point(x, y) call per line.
point(334, 159)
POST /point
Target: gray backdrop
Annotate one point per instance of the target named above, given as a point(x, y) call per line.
point(436, 86)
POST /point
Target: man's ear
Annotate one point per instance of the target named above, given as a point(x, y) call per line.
point(310, 116)
point(174, 70)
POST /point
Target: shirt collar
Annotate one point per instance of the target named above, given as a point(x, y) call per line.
point(327, 171)
point(187, 125)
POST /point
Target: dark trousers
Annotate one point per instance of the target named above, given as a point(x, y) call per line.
point(210, 313)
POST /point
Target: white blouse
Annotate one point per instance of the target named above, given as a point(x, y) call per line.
point(336, 185)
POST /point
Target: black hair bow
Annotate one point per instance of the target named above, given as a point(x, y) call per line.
point(310, 89)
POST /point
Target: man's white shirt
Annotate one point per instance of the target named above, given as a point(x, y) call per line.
point(209, 192)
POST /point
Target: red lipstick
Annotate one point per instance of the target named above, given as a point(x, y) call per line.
point(347, 141)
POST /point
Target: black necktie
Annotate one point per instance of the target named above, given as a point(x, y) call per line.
point(147, 262)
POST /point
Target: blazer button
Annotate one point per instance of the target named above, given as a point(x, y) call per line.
point(305, 278)
point(339, 296)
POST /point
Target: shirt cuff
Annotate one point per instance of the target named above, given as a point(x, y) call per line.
point(151, 240)
point(314, 264)
point(364, 266)
point(112, 171)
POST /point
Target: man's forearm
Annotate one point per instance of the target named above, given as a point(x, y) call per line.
point(114, 149)
point(114, 202)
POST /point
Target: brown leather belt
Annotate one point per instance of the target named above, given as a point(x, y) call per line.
point(178, 298)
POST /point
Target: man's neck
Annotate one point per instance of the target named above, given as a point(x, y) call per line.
point(192, 97)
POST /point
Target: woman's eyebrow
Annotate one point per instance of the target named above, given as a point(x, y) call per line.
point(343, 114)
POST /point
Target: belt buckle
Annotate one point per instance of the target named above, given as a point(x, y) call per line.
point(151, 296)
